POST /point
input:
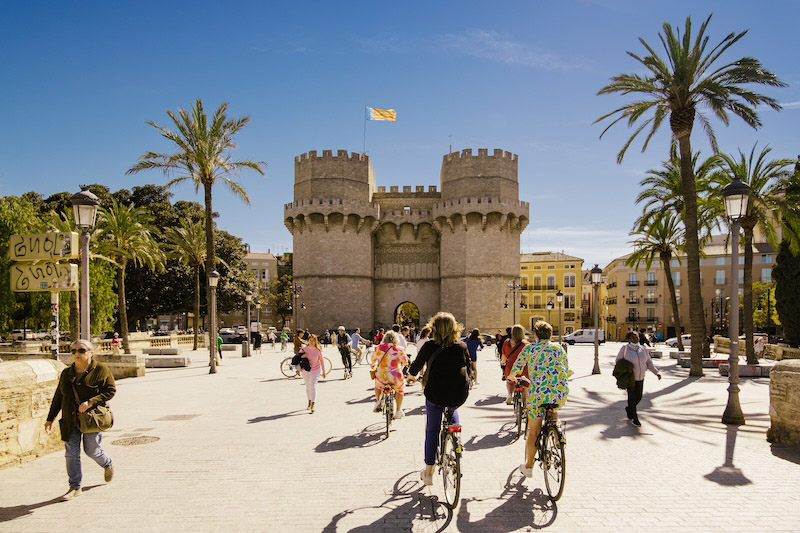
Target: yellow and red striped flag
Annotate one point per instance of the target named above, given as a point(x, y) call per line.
point(381, 114)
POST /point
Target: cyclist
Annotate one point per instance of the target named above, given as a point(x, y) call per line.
point(549, 371)
point(343, 342)
point(388, 362)
point(447, 367)
point(474, 343)
point(284, 340)
point(510, 350)
point(355, 341)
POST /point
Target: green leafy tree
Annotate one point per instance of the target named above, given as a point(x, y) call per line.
point(660, 236)
point(280, 296)
point(761, 292)
point(17, 215)
point(203, 158)
point(766, 180)
point(675, 90)
point(125, 235)
point(786, 274)
point(187, 244)
point(235, 279)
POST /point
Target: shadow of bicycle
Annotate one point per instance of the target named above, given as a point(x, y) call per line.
point(369, 436)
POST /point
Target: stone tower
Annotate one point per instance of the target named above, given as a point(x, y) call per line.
point(480, 219)
point(331, 220)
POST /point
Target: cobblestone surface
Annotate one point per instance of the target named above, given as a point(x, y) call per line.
point(237, 451)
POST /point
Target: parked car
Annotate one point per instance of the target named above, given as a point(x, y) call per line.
point(230, 337)
point(241, 330)
point(19, 334)
point(585, 335)
point(685, 339)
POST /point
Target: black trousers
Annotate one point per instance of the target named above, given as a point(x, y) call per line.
point(634, 397)
point(347, 361)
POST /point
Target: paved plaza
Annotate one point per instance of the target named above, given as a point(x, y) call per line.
point(237, 452)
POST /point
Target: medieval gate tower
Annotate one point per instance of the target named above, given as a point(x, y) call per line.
point(360, 251)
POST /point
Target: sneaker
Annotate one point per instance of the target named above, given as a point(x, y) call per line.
point(427, 479)
point(628, 414)
point(637, 423)
point(108, 473)
point(399, 414)
point(509, 400)
point(71, 493)
point(527, 472)
point(377, 408)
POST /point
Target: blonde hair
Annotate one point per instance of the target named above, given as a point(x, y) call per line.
point(391, 337)
point(314, 341)
point(542, 330)
point(517, 333)
point(445, 329)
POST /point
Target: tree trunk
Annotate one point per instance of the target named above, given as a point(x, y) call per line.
point(747, 290)
point(697, 322)
point(196, 303)
point(665, 259)
point(74, 317)
point(210, 261)
point(123, 311)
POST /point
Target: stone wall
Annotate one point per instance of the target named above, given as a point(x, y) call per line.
point(26, 388)
point(784, 403)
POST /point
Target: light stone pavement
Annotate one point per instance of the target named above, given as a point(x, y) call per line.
point(237, 451)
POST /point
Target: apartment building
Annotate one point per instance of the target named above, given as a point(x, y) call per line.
point(542, 276)
point(639, 298)
point(264, 267)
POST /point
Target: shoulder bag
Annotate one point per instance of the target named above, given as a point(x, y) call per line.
point(424, 379)
point(95, 419)
point(374, 371)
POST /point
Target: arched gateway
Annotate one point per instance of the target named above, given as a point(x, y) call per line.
point(360, 251)
point(407, 314)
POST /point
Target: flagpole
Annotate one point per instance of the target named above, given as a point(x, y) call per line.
point(364, 149)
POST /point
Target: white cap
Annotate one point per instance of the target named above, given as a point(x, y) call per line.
point(341, 328)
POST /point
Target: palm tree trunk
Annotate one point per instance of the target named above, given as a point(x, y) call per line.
point(123, 310)
point(747, 304)
point(74, 316)
point(697, 322)
point(665, 259)
point(196, 303)
point(210, 261)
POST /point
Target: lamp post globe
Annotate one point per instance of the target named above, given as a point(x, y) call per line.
point(84, 206)
point(737, 196)
point(213, 281)
point(597, 278)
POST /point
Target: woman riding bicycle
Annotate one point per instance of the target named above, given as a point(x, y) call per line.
point(447, 366)
point(388, 362)
point(549, 371)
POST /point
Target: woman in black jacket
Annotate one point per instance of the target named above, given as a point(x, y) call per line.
point(447, 366)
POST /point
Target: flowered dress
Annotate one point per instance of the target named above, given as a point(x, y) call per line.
point(388, 361)
point(549, 371)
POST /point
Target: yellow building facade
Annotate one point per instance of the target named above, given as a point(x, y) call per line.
point(542, 275)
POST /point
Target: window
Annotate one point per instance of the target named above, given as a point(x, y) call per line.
point(569, 280)
point(524, 268)
point(551, 282)
point(741, 259)
point(651, 314)
point(741, 277)
point(766, 275)
point(631, 314)
point(720, 261)
point(674, 263)
point(632, 276)
point(651, 278)
point(676, 278)
point(719, 277)
point(551, 267)
point(631, 295)
point(569, 301)
point(678, 295)
point(765, 259)
point(537, 282)
point(567, 329)
point(537, 302)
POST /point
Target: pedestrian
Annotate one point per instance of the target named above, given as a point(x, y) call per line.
point(643, 340)
point(219, 349)
point(313, 352)
point(509, 353)
point(298, 341)
point(403, 340)
point(379, 336)
point(343, 343)
point(82, 386)
point(388, 363)
point(447, 369)
point(546, 364)
point(473, 344)
point(284, 340)
point(271, 338)
point(257, 341)
point(636, 354)
point(115, 344)
point(759, 346)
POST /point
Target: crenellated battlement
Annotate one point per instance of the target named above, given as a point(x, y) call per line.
point(311, 202)
point(485, 200)
point(407, 190)
point(483, 153)
point(327, 155)
point(466, 174)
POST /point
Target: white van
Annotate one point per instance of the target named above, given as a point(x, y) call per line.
point(585, 335)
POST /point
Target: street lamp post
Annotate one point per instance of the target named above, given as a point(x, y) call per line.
point(559, 299)
point(258, 314)
point(84, 205)
point(213, 280)
point(736, 195)
point(597, 277)
point(246, 344)
point(513, 286)
point(297, 290)
point(549, 307)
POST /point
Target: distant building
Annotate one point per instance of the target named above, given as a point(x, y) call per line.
point(264, 267)
point(542, 275)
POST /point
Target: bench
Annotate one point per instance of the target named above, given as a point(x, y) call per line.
point(708, 362)
point(167, 361)
point(161, 351)
point(229, 347)
point(747, 371)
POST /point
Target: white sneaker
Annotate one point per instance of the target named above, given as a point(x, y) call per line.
point(527, 472)
point(71, 493)
point(427, 479)
point(509, 400)
point(378, 407)
point(399, 414)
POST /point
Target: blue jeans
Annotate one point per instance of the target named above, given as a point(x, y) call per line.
point(91, 445)
point(433, 422)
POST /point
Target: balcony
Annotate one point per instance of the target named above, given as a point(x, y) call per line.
point(651, 300)
point(631, 318)
point(538, 306)
point(632, 301)
point(632, 283)
point(537, 287)
point(652, 319)
point(651, 283)
point(551, 287)
point(611, 319)
point(611, 285)
point(524, 287)
point(611, 301)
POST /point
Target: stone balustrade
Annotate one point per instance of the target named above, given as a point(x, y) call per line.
point(784, 403)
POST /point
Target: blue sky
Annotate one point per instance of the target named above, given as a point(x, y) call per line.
point(81, 79)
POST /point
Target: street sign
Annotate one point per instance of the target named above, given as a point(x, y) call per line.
point(44, 276)
point(44, 246)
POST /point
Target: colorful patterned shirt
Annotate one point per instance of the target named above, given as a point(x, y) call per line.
point(548, 370)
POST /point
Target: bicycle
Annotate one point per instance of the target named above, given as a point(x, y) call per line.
point(289, 370)
point(365, 356)
point(551, 449)
point(388, 406)
point(520, 410)
point(448, 457)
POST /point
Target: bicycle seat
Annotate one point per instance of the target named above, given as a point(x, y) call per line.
point(522, 381)
point(549, 406)
point(387, 389)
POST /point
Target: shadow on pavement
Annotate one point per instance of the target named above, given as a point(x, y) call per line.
point(787, 453)
point(11, 513)
point(408, 509)
point(519, 509)
point(505, 435)
point(728, 474)
point(276, 417)
point(494, 399)
point(368, 399)
point(369, 436)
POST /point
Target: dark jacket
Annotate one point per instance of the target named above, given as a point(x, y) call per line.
point(447, 384)
point(96, 385)
point(623, 371)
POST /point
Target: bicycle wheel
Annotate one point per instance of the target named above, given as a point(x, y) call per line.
point(287, 369)
point(328, 365)
point(451, 470)
point(554, 463)
point(388, 405)
point(365, 357)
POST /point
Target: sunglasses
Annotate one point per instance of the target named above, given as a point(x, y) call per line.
point(79, 350)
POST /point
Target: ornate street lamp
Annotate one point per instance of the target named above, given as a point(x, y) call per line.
point(246, 343)
point(597, 277)
point(559, 299)
point(549, 307)
point(513, 286)
point(297, 290)
point(213, 280)
point(84, 206)
point(736, 195)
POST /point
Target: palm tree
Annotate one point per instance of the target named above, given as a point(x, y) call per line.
point(202, 158)
point(766, 180)
point(660, 236)
point(125, 234)
point(676, 89)
point(187, 244)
